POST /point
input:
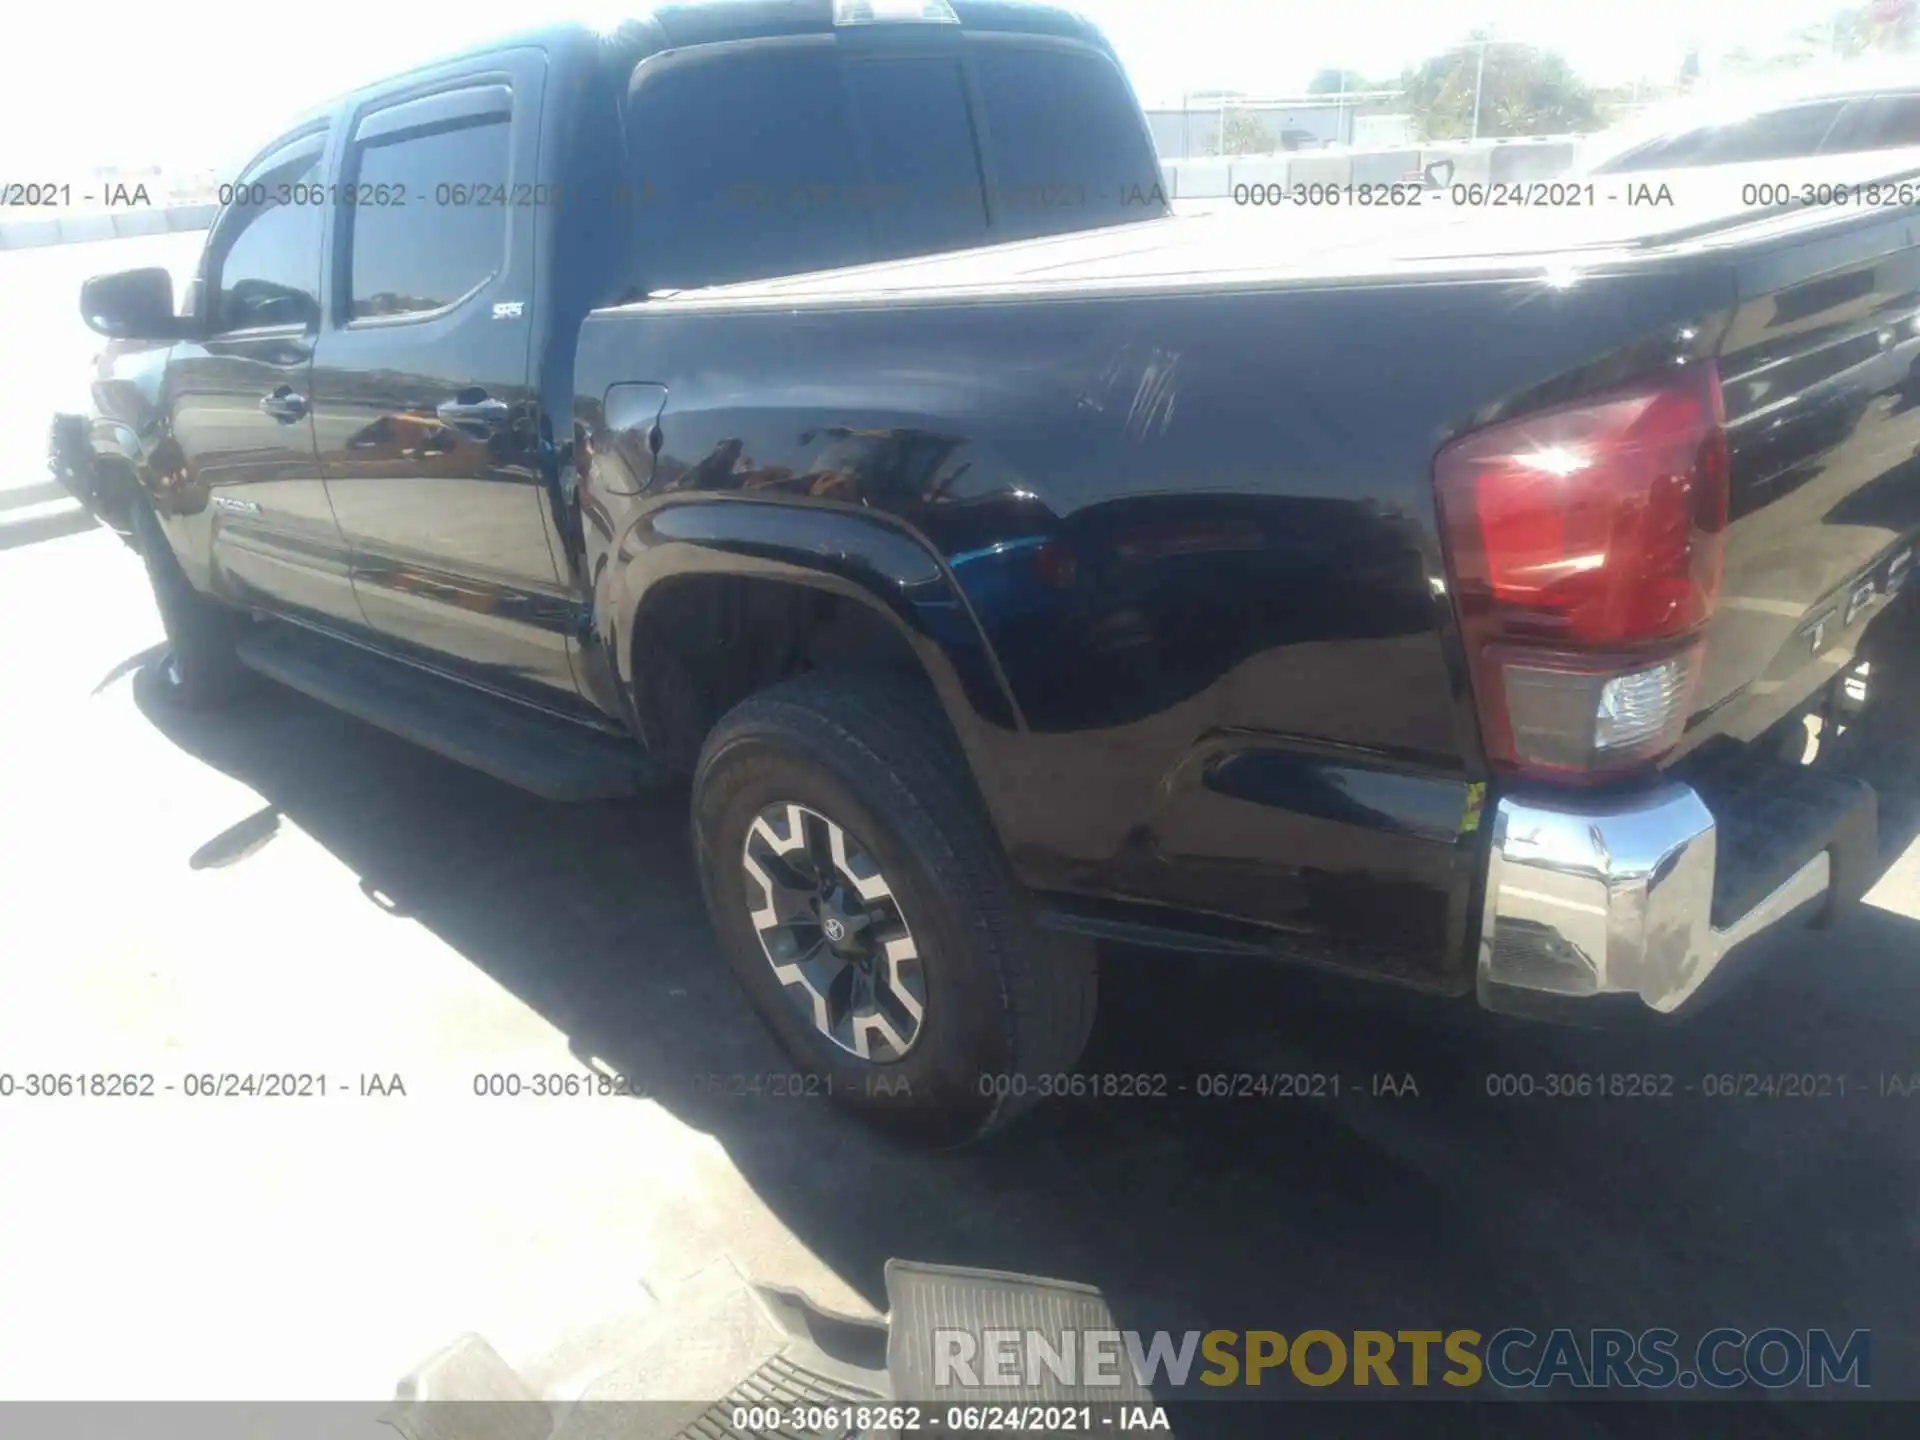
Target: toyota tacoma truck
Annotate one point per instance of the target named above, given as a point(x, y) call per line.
point(818, 405)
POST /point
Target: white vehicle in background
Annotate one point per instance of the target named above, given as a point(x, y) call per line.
point(1848, 109)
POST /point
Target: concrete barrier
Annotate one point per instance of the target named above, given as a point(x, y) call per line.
point(1521, 161)
point(1472, 165)
point(1474, 162)
point(25, 234)
point(1209, 179)
point(1263, 171)
point(129, 223)
point(80, 229)
point(191, 217)
point(1384, 167)
point(86, 227)
point(1319, 168)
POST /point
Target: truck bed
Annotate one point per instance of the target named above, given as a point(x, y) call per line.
point(1180, 474)
point(1624, 221)
point(1811, 310)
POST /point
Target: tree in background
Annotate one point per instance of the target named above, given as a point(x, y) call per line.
point(1241, 132)
point(1845, 33)
point(1333, 82)
point(1524, 91)
point(1848, 32)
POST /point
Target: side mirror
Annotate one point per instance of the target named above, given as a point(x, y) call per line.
point(131, 305)
point(1439, 174)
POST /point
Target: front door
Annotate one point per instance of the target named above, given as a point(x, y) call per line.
point(425, 417)
point(239, 398)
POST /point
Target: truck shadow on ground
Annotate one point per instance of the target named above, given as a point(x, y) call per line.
point(1434, 1182)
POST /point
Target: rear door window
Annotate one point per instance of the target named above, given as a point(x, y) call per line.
point(429, 224)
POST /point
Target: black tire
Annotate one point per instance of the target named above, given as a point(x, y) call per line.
point(203, 667)
point(1007, 1009)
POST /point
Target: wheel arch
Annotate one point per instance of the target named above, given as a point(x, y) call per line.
point(106, 469)
point(717, 599)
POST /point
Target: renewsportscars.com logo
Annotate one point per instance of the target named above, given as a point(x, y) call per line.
point(1514, 1358)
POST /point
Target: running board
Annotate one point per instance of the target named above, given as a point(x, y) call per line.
point(544, 754)
point(786, 1367)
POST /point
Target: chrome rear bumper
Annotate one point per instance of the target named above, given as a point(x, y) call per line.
point(1614, 896)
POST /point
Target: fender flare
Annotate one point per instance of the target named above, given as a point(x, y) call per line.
point(109, 462)
point(872, 560)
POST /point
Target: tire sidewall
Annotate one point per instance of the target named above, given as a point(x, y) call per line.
point(202, 668)
point(943, 1088)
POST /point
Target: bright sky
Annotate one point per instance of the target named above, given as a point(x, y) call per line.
point(202, 82)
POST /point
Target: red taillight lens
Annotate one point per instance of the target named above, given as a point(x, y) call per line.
point(1585, 545)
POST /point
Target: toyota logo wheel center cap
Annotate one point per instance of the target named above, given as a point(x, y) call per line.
point(833, 933)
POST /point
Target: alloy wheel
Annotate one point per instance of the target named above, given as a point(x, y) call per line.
point(833, 931)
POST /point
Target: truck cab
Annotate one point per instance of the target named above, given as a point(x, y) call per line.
point(366, 422)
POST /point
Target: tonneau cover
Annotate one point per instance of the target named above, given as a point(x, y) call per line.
point(1630, 216)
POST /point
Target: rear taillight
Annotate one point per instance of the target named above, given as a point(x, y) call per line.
point(1584, 546)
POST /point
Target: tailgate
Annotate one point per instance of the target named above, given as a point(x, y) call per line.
point(1820, 368)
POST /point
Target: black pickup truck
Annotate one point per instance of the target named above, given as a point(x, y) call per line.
point(828, 408)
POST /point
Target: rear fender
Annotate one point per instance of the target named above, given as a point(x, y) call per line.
point(867, 559)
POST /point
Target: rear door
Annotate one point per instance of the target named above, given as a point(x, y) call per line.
point(423, 404)
point(239, 397)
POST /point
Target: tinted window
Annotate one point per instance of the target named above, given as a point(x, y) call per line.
point(1067, 142)
point(744, 167)
point(1886, 122)
point(440, 245)
point(267, 254)
point(924, 163)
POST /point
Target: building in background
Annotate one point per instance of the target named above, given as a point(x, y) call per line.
point(1205, 125)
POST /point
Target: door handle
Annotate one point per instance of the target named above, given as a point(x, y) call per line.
point(472, 413)
point(285, 405)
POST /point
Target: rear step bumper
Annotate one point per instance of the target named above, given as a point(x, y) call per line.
point(1595, 901)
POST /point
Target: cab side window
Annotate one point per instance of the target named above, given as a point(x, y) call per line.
point(263, 266)
point(1068, 142)
point(742, 167)
point(922, 155)
point(795, 159)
